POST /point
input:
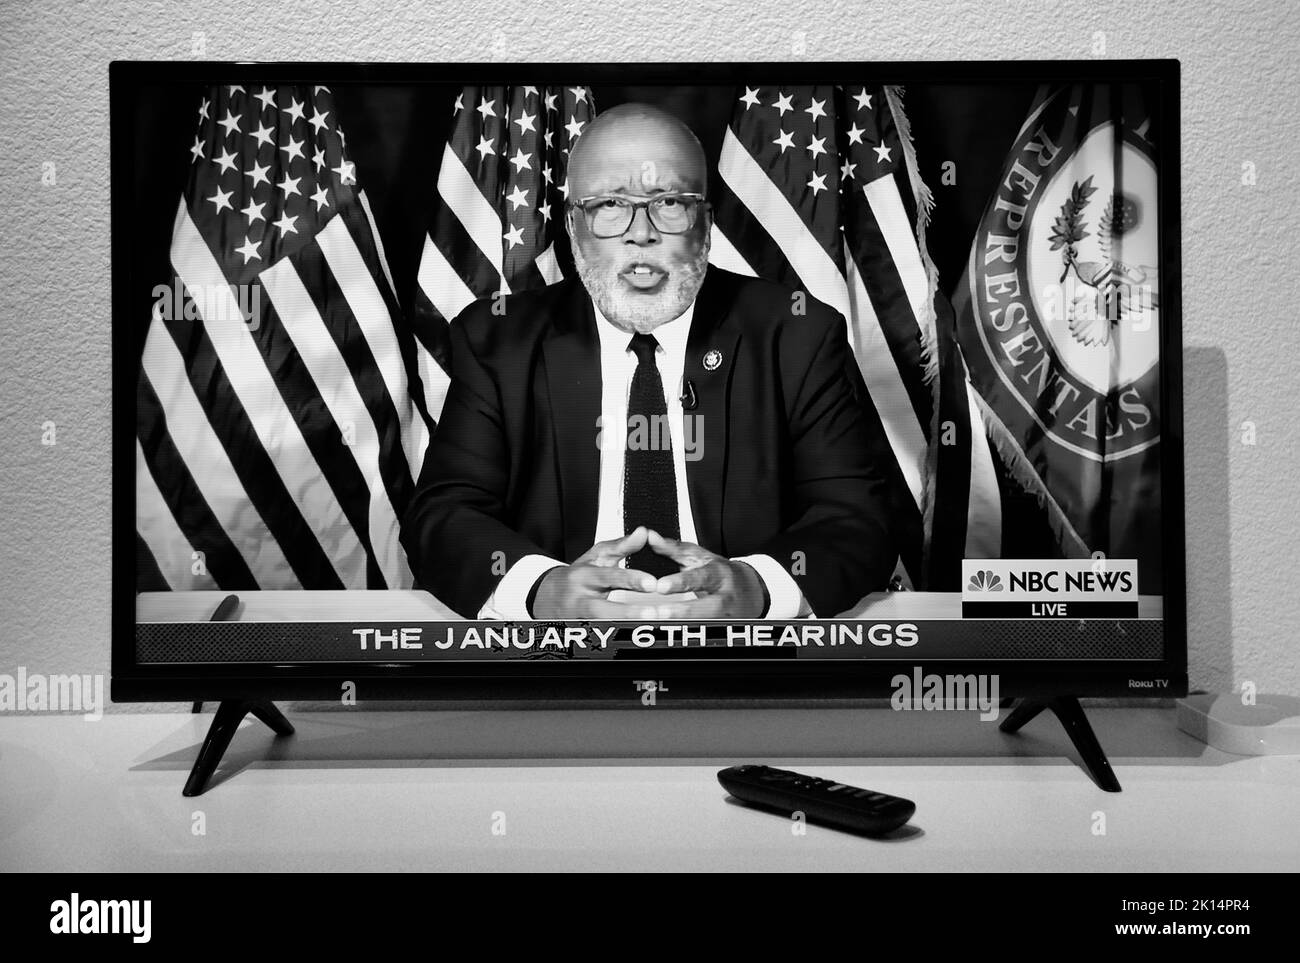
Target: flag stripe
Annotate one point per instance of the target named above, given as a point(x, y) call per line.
point(251, 463)
point(984, 514)
point(888, 392)
point(170, 551)
point(331, 311)
point(887, 208)
point(802, 249)
point(207, 497)
point(259, 394)
point(724, 254)
point(299, 315)
point(448, 293)
point(464, 199)
point(370, 311)
point(888, 298)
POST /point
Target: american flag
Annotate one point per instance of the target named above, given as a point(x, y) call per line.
point(820, 191)
point(281, 418)
point(498, 220)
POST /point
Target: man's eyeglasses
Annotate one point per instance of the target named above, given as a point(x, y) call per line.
point(610, 215)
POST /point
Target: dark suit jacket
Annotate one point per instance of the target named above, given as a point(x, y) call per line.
point(790, 466)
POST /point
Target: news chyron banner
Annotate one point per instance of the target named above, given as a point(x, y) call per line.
point(1060, 589)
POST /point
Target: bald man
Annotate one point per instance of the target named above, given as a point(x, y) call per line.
point(657, 438)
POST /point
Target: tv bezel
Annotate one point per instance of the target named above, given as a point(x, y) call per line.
point(741, 682)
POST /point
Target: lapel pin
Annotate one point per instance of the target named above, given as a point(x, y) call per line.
point(713, 360)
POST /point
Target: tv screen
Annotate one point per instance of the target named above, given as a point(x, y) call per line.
point(581, 382)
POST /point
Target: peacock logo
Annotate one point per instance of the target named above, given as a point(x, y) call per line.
point(984, 581)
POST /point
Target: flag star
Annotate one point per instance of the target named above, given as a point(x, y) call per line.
point(320, 198)
point(855, 133)
point(293, 148)
point(320, 89)
point(783, 103)
point(249, 250)
point(564, 188)
point(579, 94)
point(319, 121)
point(846, 170)
point(521, 161)
point(518, 198)
point(258, 174)
point(230, 122)
point(785, 140)
point(459, 105)
point(546, 173)
point(221, 199)
point(236, 89)
point(545, 211)
point(525, 122)
point(347, 172)
point(882, 153)
point(574, 127)
point(197, 149)
point(485, 147)
point(817, 146)
point(818, 183)
point(203, 109)
point(549, 135)
point(863, 98)
point(266, 96)
point(286, 224)
point(515, 236)
point(290, 185)
point(485, 108)
point(530, 91)
point(318, 157)
point(226, 160)
point(264, 134)
point(816, 108)
point(750, 99)
point(294, 111)
point(550, 101)
point(254, 211)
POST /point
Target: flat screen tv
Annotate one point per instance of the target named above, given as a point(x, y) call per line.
point(626, 384)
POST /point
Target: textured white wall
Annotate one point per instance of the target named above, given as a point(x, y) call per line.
point(1239, 96)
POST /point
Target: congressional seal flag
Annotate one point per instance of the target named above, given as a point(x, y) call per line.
point(1058, 320)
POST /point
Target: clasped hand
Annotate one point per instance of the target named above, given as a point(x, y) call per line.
point(724, 589)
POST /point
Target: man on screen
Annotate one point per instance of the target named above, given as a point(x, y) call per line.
point(658, 438)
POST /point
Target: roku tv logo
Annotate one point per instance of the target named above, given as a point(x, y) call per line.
point(1049, 588)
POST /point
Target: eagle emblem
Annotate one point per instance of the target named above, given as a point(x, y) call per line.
point(1106, 291)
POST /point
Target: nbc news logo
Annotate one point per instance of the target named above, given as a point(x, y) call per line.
point(984, 581)
point(1008, 588)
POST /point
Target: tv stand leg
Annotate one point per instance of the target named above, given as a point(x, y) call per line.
point(1070, 713)
point(230, 713)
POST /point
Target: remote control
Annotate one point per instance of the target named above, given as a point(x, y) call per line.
point(820, 800)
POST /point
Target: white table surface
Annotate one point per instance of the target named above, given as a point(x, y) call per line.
point(628, 790)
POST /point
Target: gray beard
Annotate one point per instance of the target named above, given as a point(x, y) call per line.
point(634, 311)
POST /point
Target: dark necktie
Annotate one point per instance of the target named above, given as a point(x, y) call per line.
point(649, 481)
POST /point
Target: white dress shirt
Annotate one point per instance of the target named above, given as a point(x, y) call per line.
point(618, 364)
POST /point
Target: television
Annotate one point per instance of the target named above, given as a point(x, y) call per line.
point(560, 384)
